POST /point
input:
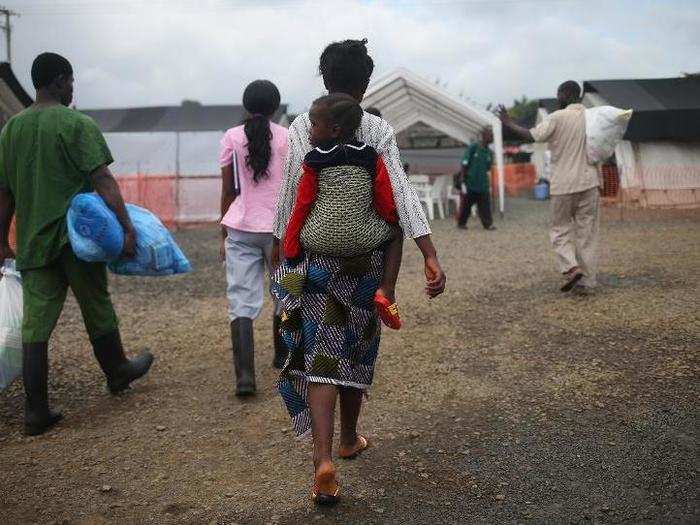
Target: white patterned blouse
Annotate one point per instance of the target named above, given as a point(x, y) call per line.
point(377, 133)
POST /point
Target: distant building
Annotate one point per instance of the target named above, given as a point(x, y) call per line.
point(659, 159)
point(167, 157)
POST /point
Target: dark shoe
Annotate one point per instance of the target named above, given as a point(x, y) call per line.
point(462, 226)
point(280, 347)
point(574, 277)
point(490, 228)
point(243, 355)
point(38, 418)
point(119, 370)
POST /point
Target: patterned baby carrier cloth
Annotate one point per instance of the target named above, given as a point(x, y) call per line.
point(344, 221)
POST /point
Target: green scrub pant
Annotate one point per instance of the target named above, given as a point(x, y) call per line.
point(45, 290)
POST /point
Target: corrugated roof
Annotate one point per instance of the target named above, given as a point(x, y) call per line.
point(664, 108)
point(9, 78)
point(190, 116)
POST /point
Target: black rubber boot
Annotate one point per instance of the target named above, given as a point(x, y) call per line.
point(243, 355)
point(38, 418)
point(280, 348)
point(119, 370)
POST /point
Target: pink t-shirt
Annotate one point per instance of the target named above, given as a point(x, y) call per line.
point(254, 209)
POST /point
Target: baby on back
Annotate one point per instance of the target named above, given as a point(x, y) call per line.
point(345, 205)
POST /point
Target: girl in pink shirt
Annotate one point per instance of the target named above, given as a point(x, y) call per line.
point(251, 159)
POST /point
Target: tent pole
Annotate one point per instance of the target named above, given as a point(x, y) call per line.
point(498, 145)
point(176, 215)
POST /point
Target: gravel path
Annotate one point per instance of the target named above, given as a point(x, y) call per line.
point(501, 402)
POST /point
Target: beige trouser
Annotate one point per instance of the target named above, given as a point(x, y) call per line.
point(574, 234)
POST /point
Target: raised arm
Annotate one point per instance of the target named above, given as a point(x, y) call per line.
point(7, 210)
point(508, 122)
point(106, 186)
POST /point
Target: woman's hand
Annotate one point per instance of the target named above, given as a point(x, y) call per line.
point(435, 277)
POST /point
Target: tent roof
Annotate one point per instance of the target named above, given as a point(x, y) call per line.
point(664, 108)
point(190, 116)
point(405, 98)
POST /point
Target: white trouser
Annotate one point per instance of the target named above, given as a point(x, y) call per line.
point(574, 234)
point(247, 265)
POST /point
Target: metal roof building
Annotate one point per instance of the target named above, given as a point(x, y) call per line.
point(166, 157)
point(659, 160)
point(664, 108)
point(13, 97)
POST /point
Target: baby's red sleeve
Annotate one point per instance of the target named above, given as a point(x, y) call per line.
point(383, 194)
point(306, 196)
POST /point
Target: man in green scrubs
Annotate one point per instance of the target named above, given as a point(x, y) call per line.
point(476, 186)
point(48, 154)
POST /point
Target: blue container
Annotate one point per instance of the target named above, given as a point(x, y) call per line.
point(541, 191)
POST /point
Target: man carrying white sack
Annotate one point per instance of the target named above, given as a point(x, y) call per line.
point(575, 187)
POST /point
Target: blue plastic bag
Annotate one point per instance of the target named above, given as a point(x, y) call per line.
point(157, 253)
point(94, 231)
point(96, 235)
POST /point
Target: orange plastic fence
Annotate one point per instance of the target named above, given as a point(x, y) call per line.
point(519, 179)
point(611, 181)
point(155, 193)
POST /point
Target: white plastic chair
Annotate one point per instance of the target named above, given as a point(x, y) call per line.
point(429, 194)
point(442, 188)
point(453, 195)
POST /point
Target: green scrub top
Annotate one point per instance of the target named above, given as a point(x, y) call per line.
point(46, 157)
point(478, 160)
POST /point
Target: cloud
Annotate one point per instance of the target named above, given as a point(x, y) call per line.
point(147, 53)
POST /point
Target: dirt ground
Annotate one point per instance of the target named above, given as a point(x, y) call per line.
point(501, 402)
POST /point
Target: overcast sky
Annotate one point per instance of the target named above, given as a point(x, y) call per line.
point(139, 52)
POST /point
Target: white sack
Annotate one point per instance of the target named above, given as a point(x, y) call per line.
point(605, 126)
point(10, 324)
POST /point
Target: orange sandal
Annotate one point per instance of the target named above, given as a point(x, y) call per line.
point(388, 312)
point(363, 445)
point(326, 490)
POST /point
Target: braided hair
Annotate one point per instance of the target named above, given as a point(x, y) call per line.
point(346, 67)
point(261, 99)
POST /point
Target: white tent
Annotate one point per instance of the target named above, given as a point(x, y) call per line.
point(405, 99)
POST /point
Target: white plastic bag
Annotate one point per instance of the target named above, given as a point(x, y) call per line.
point(605, 127)
point(10, 324)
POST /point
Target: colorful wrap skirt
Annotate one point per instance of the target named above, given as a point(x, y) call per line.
point(329, 324)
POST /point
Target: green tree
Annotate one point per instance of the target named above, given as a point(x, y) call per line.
point(523, 109)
